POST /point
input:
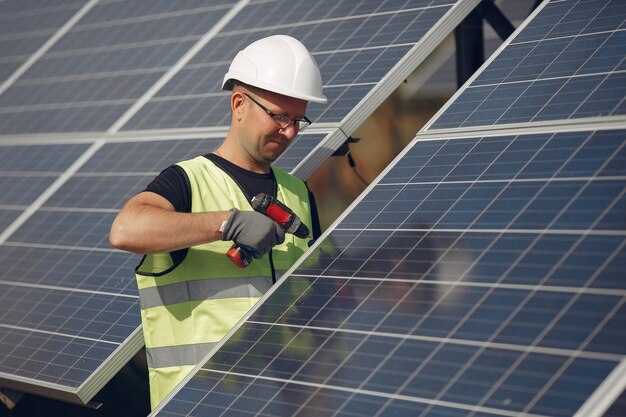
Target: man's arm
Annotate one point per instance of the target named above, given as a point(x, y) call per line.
point(148, 223)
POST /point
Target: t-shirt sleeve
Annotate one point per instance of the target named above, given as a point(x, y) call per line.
point(173, 185)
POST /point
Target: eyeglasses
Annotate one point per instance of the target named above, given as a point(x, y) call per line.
point(282, 120)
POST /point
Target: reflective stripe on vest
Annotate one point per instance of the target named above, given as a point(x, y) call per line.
point(165, 357)
point(187, 308)
point(207, 289)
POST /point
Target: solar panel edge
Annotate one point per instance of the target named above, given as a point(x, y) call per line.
point(38, 387)
point(485, 65)
point(49, 139)
point(113, 364)
point(136, 135)
point(556, 126)
point(322, 151)
point(83, 394)
point(606, 394)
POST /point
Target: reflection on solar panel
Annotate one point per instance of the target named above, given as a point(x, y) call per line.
point(480, 275)
point(96, 97)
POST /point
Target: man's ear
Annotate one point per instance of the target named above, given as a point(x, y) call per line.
point(236, 104)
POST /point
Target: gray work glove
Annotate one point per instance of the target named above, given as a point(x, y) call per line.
point(253, 231)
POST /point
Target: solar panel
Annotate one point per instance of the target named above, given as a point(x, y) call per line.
point(558, 69)
point(480, 275)
point(86, 79)
point(25, 27)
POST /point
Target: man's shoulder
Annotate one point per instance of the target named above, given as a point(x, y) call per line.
point(285, 177)
point(193, 162)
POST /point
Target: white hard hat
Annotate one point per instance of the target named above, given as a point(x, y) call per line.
point(280, 64)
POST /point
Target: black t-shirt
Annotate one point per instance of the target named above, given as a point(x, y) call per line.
point(173, 185)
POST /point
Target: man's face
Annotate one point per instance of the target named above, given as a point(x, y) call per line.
point(261, 136)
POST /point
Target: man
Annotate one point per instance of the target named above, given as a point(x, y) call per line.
point(189, 216)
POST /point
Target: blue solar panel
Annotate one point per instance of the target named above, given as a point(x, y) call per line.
point(69, 307)
point(107, 60)
point(557, 68)
point(480, 275)
point(415, 304)
point(25, 26)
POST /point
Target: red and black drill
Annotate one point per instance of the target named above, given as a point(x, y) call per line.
point(277, 211)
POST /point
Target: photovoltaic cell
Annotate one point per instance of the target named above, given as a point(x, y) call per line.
point(478, 276)
point(300, 148)
point(568, 63)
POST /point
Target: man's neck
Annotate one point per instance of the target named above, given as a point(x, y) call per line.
point(242, 161)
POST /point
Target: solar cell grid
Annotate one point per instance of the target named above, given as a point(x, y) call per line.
point(63, 285)
point(497, 319)
point(298, 151)
point(34, 20)
point(7, 216)
point(13, 187)
point(106, 11)
point(352, 57)
point(79, 314)
point(146, 157)
point(55, 360)
point(568, 63)
point(59, 267)
point(105, 62)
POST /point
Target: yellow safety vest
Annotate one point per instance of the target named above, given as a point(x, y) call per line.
point(187, 308)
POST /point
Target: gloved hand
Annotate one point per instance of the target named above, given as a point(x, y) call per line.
point(253, 231)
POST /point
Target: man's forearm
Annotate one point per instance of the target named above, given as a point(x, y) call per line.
point(149, 229)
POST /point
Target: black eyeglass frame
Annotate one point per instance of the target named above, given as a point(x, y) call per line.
point(281, 120)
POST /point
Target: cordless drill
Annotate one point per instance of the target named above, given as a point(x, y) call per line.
point(277, 211)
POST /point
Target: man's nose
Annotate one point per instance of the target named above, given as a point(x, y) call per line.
point(290, 131)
